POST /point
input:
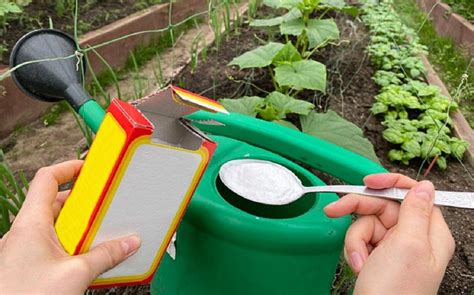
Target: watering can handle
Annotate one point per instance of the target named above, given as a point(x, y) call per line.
point(317, 153)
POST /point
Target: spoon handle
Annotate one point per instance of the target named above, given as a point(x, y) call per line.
point(442, 198)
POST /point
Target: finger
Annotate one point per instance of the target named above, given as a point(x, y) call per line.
point(44, 188)
point(365, 232)
point(61, 197)
point(388, 180)
point(386, 210)
point(441, 239)
point(109, 254)
point(415, 211)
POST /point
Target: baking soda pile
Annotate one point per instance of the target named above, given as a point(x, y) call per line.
point(261, 181)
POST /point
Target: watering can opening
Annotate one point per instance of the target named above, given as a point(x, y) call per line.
point(290, 210)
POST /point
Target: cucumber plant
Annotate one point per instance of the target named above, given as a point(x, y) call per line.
point(292, 70)
point(289, 64)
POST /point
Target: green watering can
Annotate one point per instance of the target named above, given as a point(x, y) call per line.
point(225, 244)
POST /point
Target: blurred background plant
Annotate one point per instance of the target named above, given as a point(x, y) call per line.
point(12, 194)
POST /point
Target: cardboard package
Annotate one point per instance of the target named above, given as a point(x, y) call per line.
point(138, 177)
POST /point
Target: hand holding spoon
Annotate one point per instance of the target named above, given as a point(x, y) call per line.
point(273, 184)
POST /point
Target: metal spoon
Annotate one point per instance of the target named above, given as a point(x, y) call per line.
point(273, 184)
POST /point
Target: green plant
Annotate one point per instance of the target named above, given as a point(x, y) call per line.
point(416, 115)
point(450, 62)
point(329, 126)
point(290, 73)
point(3, 49)
point(299, 21)
point(54, 113)
point(252, 8)
point(216, 25)
point(292, 70)
point(289, 64)
point(12, 194)
point(462, 7)
point(7, 9)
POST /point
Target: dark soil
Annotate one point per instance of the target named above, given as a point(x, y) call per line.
point(350, 93)
point(93, 14)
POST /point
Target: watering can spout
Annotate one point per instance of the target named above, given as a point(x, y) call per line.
point(52, 72)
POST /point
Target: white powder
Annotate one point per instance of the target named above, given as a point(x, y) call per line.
point(261, 181)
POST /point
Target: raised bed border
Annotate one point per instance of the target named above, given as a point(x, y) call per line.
point(450, 24)
point(16, 109)
point(461, 127)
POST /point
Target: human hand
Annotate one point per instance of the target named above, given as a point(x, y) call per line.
point(395, 248)
point(31, 258)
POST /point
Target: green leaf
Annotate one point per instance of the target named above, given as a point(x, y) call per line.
point(351, 10)
point(270, 113)
point(259, 57)
point(441, 162)
point(403, 114)
point(294, 27)
point(443, 146)
point(247, 105)
point(458, 147)
point(395, 155)
point(290, 15)
point(287, 54)
point(288, 4)
point(428, 150)
point(303, 74)
point(23, 2)
point(334, 3)
point(378, 108)
point(393, 136)
point(272, 3)
point(9, 7)
point(286, 104)
point(320, 31)
point(331, 127)
point(286, 124)
point(412, 147)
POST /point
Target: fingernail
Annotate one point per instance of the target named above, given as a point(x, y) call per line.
point(131, 244)
point(356, 261)
point(424, 190)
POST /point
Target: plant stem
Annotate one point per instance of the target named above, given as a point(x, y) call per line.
point(272, 75)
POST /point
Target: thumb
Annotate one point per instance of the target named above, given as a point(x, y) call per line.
point(415, 210)
point(109, 254)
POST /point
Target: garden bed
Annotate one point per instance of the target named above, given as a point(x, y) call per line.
point(450, 24)
point(93, 15)
point(16, 109)
point(351, 94)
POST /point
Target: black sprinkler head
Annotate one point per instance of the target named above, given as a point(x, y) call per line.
point(49, 80)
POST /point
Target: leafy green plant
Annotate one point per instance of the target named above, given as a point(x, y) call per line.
point(329, 126)
point(292, 70)
point(289, 64)
point(462, 7)
point(290, 73)
point(416, 115)
point(7, 9)
point(274, 107)
point(311, 32)
point(12, 194)
point(3, 49)
point(452, 65)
